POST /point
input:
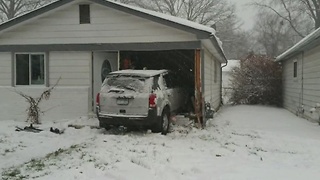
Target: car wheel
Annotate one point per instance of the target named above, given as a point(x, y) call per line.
point(163, 123)
point(105, 126)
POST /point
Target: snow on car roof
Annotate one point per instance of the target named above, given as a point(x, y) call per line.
point(147, 73)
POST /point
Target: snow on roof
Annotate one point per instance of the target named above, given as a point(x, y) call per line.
point(231, 65)
point(147, 73)
point(305, 41)
point(28, 12)
point(177, 20)
point(169, 18)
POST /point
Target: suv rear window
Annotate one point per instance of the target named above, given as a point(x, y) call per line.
point(133, 83)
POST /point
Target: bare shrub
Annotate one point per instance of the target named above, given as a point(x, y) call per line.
point(33, 111)
point(257, 81)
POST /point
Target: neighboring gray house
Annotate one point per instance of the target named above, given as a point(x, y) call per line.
point(301, 76)
point(82, 40)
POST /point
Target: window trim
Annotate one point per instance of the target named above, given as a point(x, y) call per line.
point(84, 20)
point(30, 76)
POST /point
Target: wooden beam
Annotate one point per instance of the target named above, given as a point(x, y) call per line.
point(198, 90)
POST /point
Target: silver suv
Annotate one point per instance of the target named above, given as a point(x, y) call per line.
point(139, 98)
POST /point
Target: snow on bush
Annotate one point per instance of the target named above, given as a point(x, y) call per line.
point(257, 81)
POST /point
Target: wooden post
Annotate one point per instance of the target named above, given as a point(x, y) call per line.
point(198, 90)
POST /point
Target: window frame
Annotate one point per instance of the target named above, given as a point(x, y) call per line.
point(82, 19)
point(30, 68)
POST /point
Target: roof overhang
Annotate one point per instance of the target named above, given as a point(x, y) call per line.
point(214, 47)
point(203, 33)
point(33, 14)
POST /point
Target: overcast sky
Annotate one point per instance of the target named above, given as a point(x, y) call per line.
point(246, 13)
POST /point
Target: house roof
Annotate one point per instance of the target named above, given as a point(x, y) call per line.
point(301, 45)
point(201, 31)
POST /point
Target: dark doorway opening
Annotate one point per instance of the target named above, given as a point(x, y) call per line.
point(180, 62)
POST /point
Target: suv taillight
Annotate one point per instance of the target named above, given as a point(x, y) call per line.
point(98, 99)
point(152, 100)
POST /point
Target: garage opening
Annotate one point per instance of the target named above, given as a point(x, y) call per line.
point(179, 62)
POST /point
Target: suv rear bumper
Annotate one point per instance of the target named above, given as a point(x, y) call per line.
point(136, 121)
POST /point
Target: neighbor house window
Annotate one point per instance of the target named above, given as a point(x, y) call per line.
point(84, 11)
point(30, 69)
point(295, 69)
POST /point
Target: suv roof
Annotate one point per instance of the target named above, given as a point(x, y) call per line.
point(144, 73)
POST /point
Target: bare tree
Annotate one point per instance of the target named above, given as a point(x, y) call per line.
point(303, 16)
point(273, 34)
point(205, 12)
point(236, 42)
point(216, 13)
point(13, 8)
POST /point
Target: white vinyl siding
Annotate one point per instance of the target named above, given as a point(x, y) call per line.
point(74, 68)
point(5, 69)
point(311, 79)
point(107, 25)
point(212, 80)
point(296, 94)
point(70, 99)
point(64, 103)
point(292, 92)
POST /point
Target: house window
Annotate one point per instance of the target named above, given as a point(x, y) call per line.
point(84, 11)
point(295, 69)
point(30, 69)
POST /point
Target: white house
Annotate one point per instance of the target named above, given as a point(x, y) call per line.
point(226, 79)
point(82, 40)
point(301, 76)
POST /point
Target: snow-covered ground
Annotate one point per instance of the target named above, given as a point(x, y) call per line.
point(241, 142)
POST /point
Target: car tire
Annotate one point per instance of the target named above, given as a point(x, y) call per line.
point(105, 126)
point(163, 123)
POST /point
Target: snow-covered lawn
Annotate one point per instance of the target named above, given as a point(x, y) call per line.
point(241, 142)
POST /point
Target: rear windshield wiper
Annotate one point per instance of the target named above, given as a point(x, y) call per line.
point(127, 87)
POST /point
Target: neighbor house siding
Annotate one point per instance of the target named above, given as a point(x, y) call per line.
point(311, 80)
point(292, 92)
point(5, 69)
point(107, 26)
point(212, 80)
point(303, 91)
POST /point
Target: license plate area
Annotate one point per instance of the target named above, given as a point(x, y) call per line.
point(122, 101)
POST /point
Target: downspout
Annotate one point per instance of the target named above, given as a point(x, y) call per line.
point(221, 100)
point(302, 81)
